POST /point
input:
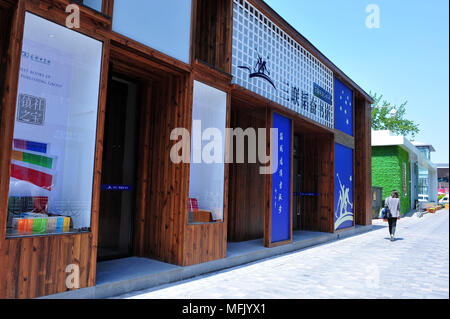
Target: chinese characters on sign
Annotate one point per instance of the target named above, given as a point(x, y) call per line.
point(321, 107)
point(30, 109)
point(281, 181)
point(268, 62)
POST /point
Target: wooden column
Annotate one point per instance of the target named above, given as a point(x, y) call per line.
point(363, 163)
point(268, 184)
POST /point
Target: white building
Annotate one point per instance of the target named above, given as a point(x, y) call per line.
point(423, 173)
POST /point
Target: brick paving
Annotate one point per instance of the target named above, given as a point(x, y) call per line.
point(415, 265)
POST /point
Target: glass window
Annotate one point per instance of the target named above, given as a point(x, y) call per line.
point(94, 4)
point(161, 25)
point(207, 168)
point(50, 189)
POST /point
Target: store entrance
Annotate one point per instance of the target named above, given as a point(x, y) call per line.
point(118, 184)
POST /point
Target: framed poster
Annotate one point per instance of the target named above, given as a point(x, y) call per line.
point(343, 187)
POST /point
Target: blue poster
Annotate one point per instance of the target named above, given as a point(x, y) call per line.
point(343, 187)
point(281, 181)
point(343, 98)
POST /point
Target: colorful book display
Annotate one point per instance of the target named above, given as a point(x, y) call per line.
point(32, 176)
point(30, 224)
point(32, 164)
point(30, 146)
point(20, 204)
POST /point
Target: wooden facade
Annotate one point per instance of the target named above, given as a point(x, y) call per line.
point(36, 266)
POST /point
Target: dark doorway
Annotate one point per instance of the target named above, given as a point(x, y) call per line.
point(118, 189)
point(297, 183)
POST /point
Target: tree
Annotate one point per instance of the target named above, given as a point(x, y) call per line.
point(391, 117)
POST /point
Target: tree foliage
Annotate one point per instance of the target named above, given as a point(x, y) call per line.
point(382, 119)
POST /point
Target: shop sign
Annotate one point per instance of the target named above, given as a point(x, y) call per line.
point(111, 187)
point(268, 62)
point(281, 181)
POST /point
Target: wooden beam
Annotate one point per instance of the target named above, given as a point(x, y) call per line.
point(344, 139)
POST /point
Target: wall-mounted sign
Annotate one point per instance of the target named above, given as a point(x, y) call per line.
point(267, 61)
point(114, 187)
point(322, 94)
point(343, 187)
point(281, 181)
point(343, 98)
point(306, 194)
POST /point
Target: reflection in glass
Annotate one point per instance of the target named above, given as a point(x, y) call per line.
point(206, 184)
point(52, 160)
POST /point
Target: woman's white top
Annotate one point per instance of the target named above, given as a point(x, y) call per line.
point(394, 206)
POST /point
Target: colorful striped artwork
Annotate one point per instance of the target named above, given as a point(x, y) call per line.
point(25, 225)
point(42, 225)
point(59, 225)
point(39, 225)
point(32, 176)
point(30, 146)
point(39, 160)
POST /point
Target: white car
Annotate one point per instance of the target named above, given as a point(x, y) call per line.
point(423, 198)
point(444, 200)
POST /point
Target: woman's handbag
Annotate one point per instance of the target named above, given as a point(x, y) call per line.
point(387, 212)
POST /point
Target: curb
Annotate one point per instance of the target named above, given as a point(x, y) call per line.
point(127, 285)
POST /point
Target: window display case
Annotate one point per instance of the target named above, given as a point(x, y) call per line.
point(50, 189)
point(207, 174)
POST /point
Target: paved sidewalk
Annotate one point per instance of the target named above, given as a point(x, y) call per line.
point(415, 265)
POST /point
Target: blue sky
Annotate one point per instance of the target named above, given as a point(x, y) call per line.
point(407, 58)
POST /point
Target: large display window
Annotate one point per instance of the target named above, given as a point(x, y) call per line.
point(93, 4)
point(161, 25)
point(55, 126)
point(207, 170)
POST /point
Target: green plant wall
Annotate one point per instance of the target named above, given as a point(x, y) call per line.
point(387, 172)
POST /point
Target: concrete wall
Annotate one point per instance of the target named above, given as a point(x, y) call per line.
point(387, 172)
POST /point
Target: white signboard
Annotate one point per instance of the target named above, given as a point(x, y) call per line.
point(267, 61)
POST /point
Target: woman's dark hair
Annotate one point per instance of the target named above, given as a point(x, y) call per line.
point(394, 194)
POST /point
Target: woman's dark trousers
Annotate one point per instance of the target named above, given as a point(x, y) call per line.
point(392, 224)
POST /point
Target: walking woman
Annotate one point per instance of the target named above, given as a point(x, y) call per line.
point(393, 202)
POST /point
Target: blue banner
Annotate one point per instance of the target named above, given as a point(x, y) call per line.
point(343, 98)
point(322, 94)
point(281, 181)
point(343, 187)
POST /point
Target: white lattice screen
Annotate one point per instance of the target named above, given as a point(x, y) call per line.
point(267, 61)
